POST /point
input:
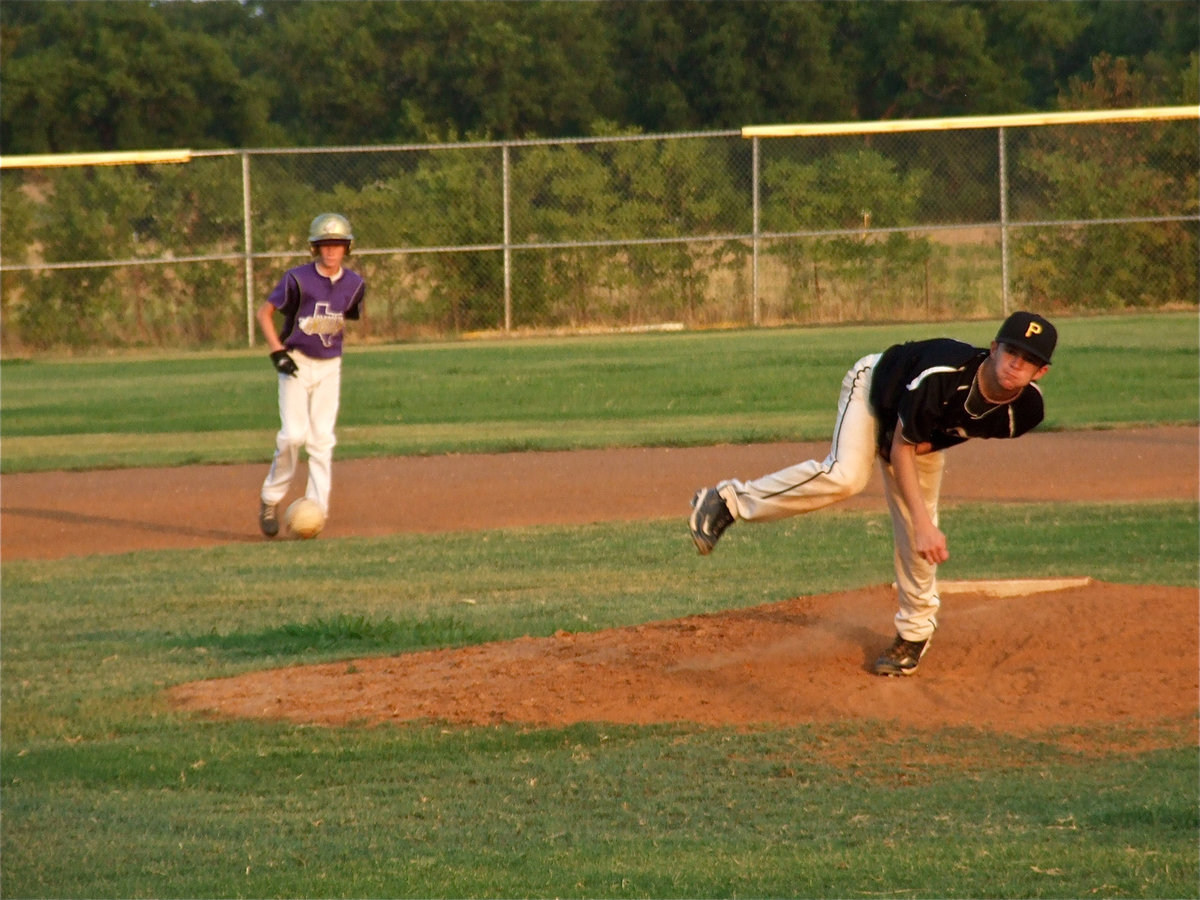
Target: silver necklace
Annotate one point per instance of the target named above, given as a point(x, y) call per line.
point(977, 405)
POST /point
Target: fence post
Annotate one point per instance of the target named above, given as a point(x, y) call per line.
point(1003, 221)
point(248, 257)
point(754, 229)
point(507, 242)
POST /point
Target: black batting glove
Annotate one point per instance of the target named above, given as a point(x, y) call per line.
point(283, 363)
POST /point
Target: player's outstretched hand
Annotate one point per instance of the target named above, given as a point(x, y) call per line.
point(283, 363)
point(930, 544)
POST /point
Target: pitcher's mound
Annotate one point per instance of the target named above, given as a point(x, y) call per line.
point(1016, 659)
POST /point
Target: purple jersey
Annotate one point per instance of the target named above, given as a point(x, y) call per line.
point(315, 309)
point(926, 389)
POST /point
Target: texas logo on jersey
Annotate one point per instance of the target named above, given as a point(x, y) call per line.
point(323, 323)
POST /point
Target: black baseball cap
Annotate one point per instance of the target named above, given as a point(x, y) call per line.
point(1029, 332)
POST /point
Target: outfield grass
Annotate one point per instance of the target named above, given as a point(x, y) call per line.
point(566, 393)
point(107, 792)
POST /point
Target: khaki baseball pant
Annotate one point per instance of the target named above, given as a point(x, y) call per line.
point(846, 471)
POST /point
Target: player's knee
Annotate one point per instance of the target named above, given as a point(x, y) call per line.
point(292, 440)
point(320, 446)
point(849, 480)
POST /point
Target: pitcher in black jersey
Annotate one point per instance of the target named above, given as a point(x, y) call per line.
point(903, 407)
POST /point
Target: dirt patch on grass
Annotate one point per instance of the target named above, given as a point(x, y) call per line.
point(1094, 654)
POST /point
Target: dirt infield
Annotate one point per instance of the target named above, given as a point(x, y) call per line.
point(1086, 654)
point(55, 514)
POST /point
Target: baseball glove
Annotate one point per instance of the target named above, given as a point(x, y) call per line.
point(283, 363)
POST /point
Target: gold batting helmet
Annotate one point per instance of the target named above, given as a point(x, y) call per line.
point(330, 227)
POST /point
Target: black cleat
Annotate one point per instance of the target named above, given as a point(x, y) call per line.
point(902, 658)
point(267, 520)
point(710, 517)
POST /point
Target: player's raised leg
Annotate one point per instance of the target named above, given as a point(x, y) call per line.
point(805, 486)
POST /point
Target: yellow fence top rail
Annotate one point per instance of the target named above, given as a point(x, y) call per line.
point(1066, 117)
point(123, 158)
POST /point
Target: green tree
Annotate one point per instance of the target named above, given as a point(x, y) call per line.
point(526, 69)
point(669, 189)
point(113, 76)
point(705, 65)
point(127, 212)
point(1117, 171)
point(355, 73)
point(1032, 40)
point(561, 193)
point(915, 60)
point(452, 198)
point(1149, 34)
point(328, 71)
point(129, 75)
point(850, 191)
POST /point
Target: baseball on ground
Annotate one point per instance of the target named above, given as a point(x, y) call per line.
point(304, 518)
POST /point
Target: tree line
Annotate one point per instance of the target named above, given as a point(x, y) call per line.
point(96, 76)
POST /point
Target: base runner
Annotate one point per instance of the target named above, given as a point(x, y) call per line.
point(315, 299)
point(903, 406)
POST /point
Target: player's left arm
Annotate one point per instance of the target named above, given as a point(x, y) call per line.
point(354, 307)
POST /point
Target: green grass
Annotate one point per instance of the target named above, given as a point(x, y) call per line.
point(565, 393)
point(593, 811)
point(108, 792)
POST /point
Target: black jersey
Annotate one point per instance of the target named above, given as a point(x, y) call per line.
point(925, 388)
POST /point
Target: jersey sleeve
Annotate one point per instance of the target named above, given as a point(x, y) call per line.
point(285, 296)
point(1028, 411)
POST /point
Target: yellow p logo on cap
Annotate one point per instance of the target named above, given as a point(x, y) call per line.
point(1034, 328)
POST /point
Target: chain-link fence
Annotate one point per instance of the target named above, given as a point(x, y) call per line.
point(630, 232)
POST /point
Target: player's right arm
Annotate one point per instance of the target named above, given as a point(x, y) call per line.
point(266, 322)
point(280, 358)
point(928, 540)
point(284, 298)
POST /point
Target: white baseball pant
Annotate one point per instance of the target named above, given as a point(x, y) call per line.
point(308, 409)
point(846, 471)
